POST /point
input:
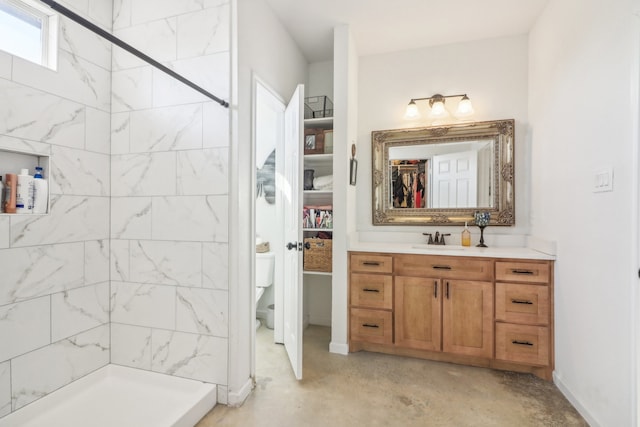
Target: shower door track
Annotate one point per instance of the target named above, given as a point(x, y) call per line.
point(113, 39)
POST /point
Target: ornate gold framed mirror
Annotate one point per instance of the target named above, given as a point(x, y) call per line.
point(441, 175)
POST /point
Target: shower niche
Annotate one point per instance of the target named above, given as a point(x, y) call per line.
point(12, 161)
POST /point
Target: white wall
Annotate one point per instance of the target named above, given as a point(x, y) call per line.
point(320, 79)
point(492, 72)
point(344, 196)
point(583, 112)
point(54, 288)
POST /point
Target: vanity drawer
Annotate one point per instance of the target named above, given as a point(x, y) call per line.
point(518, 303)
point(371, 263)
point(372, 290)
point(444, 267)
point(522, 343)
point(529, 272)
point(374, 326)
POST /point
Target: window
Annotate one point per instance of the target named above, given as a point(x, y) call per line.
point(29, 30)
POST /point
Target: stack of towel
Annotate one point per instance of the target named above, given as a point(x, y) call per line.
point(323, 183)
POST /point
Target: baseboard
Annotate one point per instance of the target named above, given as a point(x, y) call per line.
point(320, 321)
point(338, 348)
point(574, 401)
point(237, 398)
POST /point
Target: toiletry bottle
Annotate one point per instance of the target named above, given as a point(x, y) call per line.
point(466, 236)
point(2, 195)
point(40, 192)
point(10, 193)
point(24, 192)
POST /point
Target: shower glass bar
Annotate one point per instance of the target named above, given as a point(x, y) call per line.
point(110, 37)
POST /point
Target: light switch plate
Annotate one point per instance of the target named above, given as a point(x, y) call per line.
point(603, 180)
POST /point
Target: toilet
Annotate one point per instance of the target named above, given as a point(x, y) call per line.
point(265, 263)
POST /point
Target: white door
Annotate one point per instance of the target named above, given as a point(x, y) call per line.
point(455, 179)
point(292, 206)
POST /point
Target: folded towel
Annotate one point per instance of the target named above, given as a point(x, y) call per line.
point(323, 183)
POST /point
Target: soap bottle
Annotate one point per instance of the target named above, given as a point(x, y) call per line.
point(40, 192)
point(2, 195)
point(10, 193)
point(466, 236)
point(24, 192)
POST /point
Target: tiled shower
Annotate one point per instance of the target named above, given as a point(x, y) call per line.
point(130, 266)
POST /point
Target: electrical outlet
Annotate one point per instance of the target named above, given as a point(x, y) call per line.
point(603, 180)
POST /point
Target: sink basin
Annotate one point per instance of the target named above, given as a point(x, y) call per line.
point(439, 248)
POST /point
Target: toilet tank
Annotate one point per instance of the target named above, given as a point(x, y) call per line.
point(265, 263)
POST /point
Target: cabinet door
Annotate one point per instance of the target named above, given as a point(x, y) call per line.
point(467, 318)
point(418, 312)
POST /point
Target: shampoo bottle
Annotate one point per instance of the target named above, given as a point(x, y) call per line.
point(466, 236)
point(10, 193)
point(24, 192)
point(40, 192)
point(2, 196)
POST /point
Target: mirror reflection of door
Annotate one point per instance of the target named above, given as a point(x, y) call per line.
point(455, 180)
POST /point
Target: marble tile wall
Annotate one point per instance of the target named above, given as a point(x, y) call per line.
point(131, 265)
point(169, 188)
point(54, 287)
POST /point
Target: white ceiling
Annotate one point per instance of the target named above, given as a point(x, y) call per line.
point(380, 26)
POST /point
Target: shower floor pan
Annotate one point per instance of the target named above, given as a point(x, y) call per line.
point(119, 396)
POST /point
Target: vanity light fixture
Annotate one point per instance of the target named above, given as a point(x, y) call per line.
point(438, 110)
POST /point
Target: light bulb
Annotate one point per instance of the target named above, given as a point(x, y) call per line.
point(438, 111)
point(412, 111)
point(465, 109)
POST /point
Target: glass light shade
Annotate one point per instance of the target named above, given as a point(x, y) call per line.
point(465, 109)
point(412, 111)
point(438, 111)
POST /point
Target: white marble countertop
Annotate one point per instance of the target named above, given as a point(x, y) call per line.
point(450, 250)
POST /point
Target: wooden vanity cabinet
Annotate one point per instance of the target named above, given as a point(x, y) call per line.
point(446, 304)
point(371, 298)
point(489, 312)
point(524, 292)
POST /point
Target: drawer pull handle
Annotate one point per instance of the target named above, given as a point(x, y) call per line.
point(435, 289)
point(521, 301)
point(516, 342)
point(372, 263)
point(370, 290)
point(441, 267)
point(525, 272)
point(368, 325)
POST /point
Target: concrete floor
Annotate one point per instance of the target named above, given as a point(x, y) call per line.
point(369, 389)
